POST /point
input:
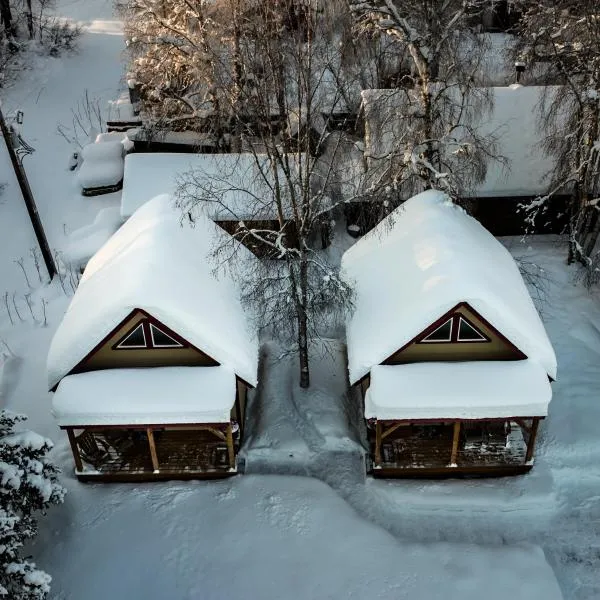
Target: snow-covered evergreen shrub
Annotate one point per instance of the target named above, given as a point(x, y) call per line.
point(28, 485)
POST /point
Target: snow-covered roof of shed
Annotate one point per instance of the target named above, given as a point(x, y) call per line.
point(458, 390)
point(156, 263)
point(422, 260)
point(512, 122)
point(160, 395)
point(234, 179)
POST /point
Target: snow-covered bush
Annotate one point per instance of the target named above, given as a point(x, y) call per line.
point(58, 35)
point(28, 485)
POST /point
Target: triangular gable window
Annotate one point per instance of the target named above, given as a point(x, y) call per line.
point(442, 334)
point(136, 338)
point(468, 333)
point(160, 339)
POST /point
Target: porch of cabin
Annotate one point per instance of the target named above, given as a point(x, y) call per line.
point(155, 452)
point(435, 419)
point(452, 448)
point(152, 423)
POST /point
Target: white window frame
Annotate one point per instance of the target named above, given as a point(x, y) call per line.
point(426, 341)
point(483, 338)
point(175, 343)
point(120, 346)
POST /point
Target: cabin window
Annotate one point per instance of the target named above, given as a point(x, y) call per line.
point(160, 339)
point(442, 334)
point(136, 338)
point(468, 333)
point(456, 329)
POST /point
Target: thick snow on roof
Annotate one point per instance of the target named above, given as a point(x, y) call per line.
point(512, 123)
point(232, 178)
point(421, 261)
point(458, 390)
point(156, 263)
point(102, 165)
point(146, 396)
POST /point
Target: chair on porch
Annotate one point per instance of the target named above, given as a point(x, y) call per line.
point(91, 451)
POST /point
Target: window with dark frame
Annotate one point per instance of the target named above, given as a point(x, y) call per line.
point(468, 332)
point(136, 338)
point(442, 334)
point(160, 339)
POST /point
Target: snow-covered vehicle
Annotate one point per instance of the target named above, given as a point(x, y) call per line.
point(102, 168)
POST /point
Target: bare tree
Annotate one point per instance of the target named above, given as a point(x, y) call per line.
point(290, 80)
point(564, 36)
point(175, 52)
point(427, 126)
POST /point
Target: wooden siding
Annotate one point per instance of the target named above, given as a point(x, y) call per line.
point(106, 357)
point(498, 348)
point(242, 390)
point(446, 472)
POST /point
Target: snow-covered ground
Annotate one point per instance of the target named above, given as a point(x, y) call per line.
point(276, 536)
point(267, 537)
point(47, 93)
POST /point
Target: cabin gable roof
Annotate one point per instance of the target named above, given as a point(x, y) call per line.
point(418, 264)
point(162, 268)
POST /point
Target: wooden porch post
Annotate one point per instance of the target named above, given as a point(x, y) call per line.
point(152, 445)
point(230, 446)
point(531, 441)
point(75, 449)
point(378, 442)
point(455, 440)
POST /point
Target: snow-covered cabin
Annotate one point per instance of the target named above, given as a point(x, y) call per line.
point(445, 343)
point(521, 176)
point(152, 361)
point(233, 187)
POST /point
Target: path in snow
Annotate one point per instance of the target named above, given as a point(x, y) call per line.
point(298, 432)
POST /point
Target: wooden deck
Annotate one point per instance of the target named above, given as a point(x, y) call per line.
point(125, 455)
point(411, 451)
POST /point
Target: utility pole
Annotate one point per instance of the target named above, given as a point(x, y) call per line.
point(28, 198)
